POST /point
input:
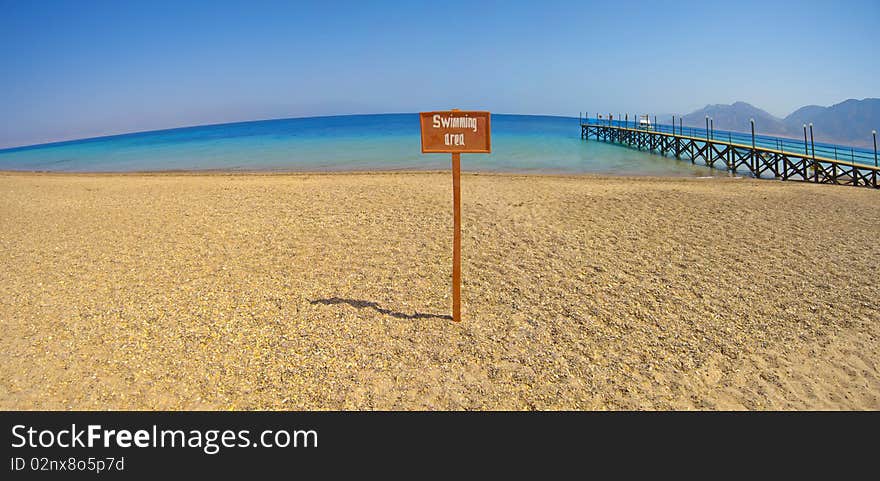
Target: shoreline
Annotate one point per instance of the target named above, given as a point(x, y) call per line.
point(224, 172)
point(722, 175)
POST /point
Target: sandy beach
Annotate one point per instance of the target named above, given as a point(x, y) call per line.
point(298, 291)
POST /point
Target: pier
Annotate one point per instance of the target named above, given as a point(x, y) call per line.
point(760, 156)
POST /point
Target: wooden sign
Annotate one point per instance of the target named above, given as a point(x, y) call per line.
point(456, 131)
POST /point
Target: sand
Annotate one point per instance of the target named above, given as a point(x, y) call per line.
point(293, 291)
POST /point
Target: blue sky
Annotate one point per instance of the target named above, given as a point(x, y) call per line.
point(79, 69)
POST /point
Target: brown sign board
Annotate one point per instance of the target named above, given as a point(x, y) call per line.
point(456, 131)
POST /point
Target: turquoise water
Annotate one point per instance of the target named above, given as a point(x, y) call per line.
point(520, 143)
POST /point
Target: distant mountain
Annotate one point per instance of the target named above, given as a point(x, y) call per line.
point(849, 122)
point(804, 115)
point(736, 117)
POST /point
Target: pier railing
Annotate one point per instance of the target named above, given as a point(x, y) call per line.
point(760, 155)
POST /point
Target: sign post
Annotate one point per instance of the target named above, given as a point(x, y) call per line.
point(456, 237)
point(456, 132)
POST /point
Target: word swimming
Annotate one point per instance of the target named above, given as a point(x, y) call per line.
point(455, 122)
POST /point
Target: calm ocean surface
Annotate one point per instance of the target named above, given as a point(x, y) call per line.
point(520, 143)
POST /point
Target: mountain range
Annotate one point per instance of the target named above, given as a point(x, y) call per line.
point(849, 122)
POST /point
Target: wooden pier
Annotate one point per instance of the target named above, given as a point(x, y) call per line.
point(759, 161)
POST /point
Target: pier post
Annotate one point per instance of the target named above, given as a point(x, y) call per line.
point(754, 159)
point(806, 152)
point(874, 133)
point(806, 147)
point(581, 123)
point(813, 150)
point(706, 154)
point(784, 159)
point(731, 161)
point(854, 176)
point(712, 137)
point(676, 139)
point(874, 174)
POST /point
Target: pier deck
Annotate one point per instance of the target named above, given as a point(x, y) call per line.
point(761, 161)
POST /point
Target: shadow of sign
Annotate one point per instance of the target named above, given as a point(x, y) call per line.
point(361, 304)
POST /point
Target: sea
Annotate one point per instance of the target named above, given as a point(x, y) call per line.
point(384, 142)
